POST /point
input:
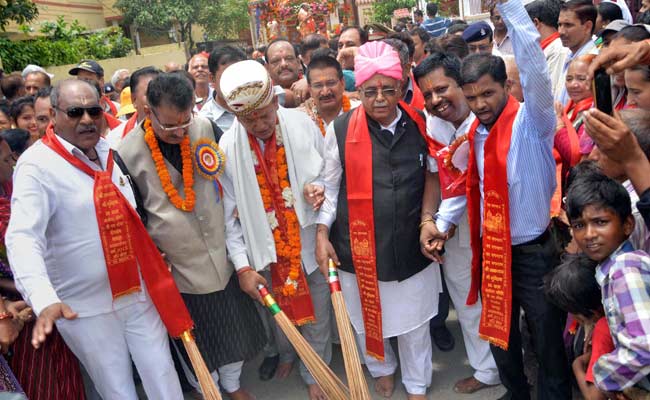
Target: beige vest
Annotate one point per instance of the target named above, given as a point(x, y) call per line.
point(194, 242)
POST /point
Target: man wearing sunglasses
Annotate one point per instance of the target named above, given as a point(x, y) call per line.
point(176, 163)
point(376, 181)
point(56, 245)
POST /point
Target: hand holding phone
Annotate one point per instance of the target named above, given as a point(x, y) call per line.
point(602, 89)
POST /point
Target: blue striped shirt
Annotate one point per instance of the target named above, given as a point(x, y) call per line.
point(530, 163)
point(436, 26)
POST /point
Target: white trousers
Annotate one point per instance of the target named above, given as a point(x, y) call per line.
point(457, 269)
point(415, 359)
point(106, 343)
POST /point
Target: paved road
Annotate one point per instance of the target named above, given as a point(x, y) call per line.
point(448, 368)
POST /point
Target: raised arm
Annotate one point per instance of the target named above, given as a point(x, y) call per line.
point(533, 70)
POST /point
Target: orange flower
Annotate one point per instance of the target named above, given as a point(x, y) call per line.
point(452, 149)
point(346, 107)
point(287, 233)
point(163, 174)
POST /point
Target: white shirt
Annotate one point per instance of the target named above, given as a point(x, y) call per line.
point(222, 117)
point(451, 209)
point(235, 235)
point(53, 240)
point(115, 135)
point(556, 55)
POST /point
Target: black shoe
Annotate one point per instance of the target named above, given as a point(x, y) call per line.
point(443, 338)
point(268, 367)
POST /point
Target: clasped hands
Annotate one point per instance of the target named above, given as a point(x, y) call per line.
point(432, 241)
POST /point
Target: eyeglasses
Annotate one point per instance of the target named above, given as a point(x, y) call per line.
point(77, 112)
point(385, 92)
point(322, 85)
point(172, 128)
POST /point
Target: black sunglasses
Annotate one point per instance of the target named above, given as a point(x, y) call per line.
point(78, 112)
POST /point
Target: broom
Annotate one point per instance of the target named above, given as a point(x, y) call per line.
point(208, 388)
point(353, 370)
point(329, 383)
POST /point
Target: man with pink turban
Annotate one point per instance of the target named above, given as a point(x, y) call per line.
point(379, 200)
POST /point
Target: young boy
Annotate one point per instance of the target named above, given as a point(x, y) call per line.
point(601, 220)
point(573, 288)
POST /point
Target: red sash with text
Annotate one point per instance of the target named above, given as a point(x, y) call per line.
point(127, 244)
point(493, 278)
point(298, 307)
point(358, 163)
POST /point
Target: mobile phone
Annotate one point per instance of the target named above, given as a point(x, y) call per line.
point(602, 89)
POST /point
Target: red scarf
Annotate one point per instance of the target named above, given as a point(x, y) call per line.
point(494, 276)
point(574, 144)
point(130, 124)
point(572, 110)
point(358, 162)
point(417, 101)
point(127, 245)
point(109, 103)
point(111, 121)
point(299, 307)
point(546, 42)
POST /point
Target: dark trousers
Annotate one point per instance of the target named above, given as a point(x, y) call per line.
point(443, 307)
point(529, 265)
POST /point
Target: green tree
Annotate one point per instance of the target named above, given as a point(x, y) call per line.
point(224, 19)
point(383, 9)
point(63, 43)
point(18, 11)
point(219, 19)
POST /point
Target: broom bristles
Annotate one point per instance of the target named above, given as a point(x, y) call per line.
point(353, 369)
point(329, 383)
point(208, 388)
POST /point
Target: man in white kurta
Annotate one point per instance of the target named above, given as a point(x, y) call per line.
point(56, 254)
point(448, 121)
point(250, 226)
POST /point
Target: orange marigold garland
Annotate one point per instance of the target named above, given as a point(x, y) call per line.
point(287, 241)
point(321, 124)
point(452, 149)
point(186, 204)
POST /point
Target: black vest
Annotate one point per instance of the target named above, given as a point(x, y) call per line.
point(398, 169)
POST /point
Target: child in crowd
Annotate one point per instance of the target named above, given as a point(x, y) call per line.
point(573, 288)
point(600, 216)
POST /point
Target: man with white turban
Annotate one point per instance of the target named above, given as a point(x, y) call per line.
point(274, 156)
point(376, 223)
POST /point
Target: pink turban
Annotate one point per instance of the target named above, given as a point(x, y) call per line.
point(376, 58)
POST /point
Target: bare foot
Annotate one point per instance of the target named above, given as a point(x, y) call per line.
point(284, 369)
point(416, 396)
point(385, 385)
point(315, 392)
point(241, 394)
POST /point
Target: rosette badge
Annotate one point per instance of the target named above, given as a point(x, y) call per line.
point(210, 162)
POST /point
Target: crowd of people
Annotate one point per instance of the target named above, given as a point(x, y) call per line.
point(476, 163)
